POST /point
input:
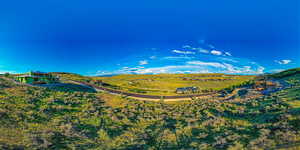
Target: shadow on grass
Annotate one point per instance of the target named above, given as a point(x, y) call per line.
point(69, 87)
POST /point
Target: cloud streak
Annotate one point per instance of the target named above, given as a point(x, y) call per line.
point(283, 62)
point(215, 52)
point(143, 62)
point(206, 49)
point(177, 57)
point(194, 67)
point(212, 64)
point(183, 52)
point(193, 60)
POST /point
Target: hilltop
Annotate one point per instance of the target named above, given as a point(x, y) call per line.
point(286, 73)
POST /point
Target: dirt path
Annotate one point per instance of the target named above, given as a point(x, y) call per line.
point(147, 97)
point(136, 96)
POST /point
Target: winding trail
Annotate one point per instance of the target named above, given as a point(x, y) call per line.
point(131, 95)
point(146, 97)
point(229, 97)
point(154, 97)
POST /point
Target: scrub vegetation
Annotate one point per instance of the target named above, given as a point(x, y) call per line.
point(166, 84)
point(48, 118)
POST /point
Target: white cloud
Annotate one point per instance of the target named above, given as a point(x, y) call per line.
point(201, 50)
point(186, 46)
point(143, 62)
point(215, 52)
point(229, 68)
point(152, 57)
point(101, 73)
point(283, 62)
point(243, 70)
point(201, 63)
point(227, 59)
point(216, 61)
point(173, 69)
point(260, 70)
point(177, 57)
point(131, 68)
point(183, 52)
point(190, 67)
point(228, 54)
point(202, 68)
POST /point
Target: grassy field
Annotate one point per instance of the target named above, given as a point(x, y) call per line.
point(166, 84)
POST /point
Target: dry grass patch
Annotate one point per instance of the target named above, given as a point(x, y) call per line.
point(112, 100)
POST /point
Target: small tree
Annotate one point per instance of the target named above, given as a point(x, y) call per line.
point(7, 74)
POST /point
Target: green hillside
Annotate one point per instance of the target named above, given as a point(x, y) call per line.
point(162, 84)
point(46, 118)
point(286, 73)
point(166, 84)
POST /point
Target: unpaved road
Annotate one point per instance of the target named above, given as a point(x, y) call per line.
point(147, 97)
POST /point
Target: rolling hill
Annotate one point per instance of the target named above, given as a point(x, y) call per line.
point(45, 118)
point(163, 84)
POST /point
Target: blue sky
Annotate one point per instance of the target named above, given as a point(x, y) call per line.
point(99, 38)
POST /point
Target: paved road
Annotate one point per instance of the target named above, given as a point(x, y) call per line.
point(142, 96)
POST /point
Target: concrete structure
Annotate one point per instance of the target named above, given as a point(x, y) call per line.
point(37, 78)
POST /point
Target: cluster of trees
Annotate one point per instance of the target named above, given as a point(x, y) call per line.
point(231, 88)
point(286, 73)
point(41, 118)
